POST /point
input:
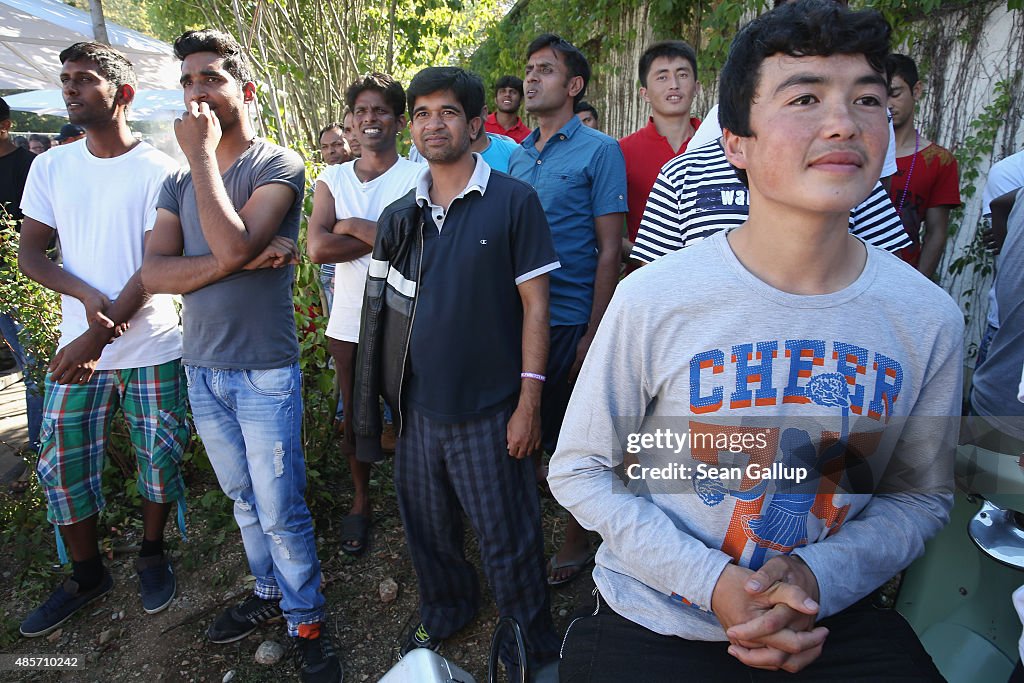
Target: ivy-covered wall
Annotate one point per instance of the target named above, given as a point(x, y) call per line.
point(972, 61)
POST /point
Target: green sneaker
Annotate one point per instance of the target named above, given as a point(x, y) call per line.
point(420, 638)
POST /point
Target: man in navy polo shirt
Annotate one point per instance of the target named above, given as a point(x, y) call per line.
point(455, 334)
point(580, 175)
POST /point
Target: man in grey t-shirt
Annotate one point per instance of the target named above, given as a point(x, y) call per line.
point(225, 238)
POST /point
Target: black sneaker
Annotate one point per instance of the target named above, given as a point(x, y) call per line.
point(62, 603)
point(420, 638)
point(315, 657)
point(237, 622)
point(157, 585)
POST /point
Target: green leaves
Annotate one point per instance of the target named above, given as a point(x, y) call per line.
point(34, 307)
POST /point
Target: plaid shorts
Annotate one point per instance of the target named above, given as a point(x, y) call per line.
point(76, 425)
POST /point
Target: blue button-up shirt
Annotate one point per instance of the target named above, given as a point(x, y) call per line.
point(579, 176)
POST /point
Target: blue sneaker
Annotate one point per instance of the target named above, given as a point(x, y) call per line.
point(62, 603)
point(156, 582)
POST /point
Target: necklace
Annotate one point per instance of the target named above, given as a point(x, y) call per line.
point(913, 160)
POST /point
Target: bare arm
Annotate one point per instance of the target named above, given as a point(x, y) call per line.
point(33, 262)
point(165, 270)
point(608, 229)
point(627, 247)
point(323, 245)
point(1001, 208)
point(76, 361)
point(936, 229)
point(362, 229)
point(235, 237)
point(523, 431)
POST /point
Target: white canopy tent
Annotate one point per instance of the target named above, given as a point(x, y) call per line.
point(148, 105)
point(33, 33)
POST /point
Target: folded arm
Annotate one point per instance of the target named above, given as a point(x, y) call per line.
point(325, 242)
point(166, 270)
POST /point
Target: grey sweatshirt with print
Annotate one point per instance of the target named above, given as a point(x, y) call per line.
point(697, 347)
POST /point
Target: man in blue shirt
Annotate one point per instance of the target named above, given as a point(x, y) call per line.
point(580, 175)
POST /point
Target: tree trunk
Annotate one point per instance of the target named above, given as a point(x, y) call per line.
point(99, 24)
point(391, 39)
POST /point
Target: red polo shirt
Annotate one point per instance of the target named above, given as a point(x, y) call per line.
point(646, 151)
point(517, 132)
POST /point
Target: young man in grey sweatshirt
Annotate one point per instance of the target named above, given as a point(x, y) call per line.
point(771, 438)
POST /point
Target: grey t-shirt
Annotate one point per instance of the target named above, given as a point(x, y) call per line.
point(994, 392)
point(719, 352)
point(245, 320)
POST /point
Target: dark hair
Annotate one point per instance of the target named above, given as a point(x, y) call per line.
point(5, 110)
point(574, 59)
point(583, 105)
point(329, 126)
point(44, 139)
point(844, 3)
point(799, 29)
point(111, 64)
point(509, 82)
point(20, 141)
point(387, 86)
point(902, 66)
point(666, 48)
point(218, 42)
point(465, 85)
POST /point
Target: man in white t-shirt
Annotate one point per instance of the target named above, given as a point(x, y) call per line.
point(1005, 176)
point(347, 201)
point(119, 348)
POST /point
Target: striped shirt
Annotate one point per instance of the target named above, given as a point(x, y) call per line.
point(698, 194)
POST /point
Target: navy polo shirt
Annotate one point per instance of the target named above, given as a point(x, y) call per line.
point(579, 175)
point(465, 355)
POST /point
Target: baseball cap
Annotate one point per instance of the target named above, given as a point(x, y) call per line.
point(69, 130)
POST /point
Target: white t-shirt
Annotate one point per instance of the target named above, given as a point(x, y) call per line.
point(356, 199)
point(1004, 176)
point(101, 210)
point(710, 130)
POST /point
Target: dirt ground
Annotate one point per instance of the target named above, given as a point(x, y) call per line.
point(120, 642)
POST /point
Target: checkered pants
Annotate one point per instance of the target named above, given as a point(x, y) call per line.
point(76, 424)
point(444, 469)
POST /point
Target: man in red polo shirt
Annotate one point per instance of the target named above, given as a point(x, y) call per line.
point(508, 94)
point(668, 82)
point(926, 186)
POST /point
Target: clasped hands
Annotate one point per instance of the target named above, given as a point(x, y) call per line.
point(769, 615)
point(76, 362)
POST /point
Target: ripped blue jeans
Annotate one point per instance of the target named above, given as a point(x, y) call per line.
point(251, 424)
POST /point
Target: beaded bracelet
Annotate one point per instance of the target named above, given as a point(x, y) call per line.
point(532, 375)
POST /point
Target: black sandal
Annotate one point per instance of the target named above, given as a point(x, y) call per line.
point(19, 485)
point(355, 534)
